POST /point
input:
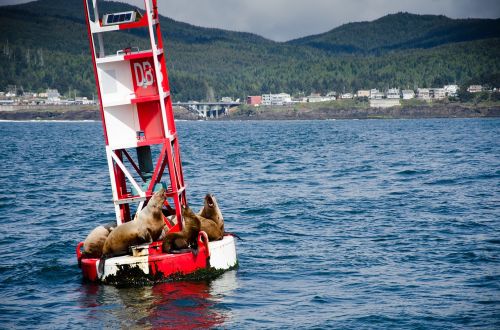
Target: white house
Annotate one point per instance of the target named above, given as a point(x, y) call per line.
point(451, 90)
point(226, 99)
point(83, 100)
point(475, 88)
point(438, 93)
point(393, 93)
point(376, 95)
point(276, 99)
point(314, 98)
point(346, 96)
point(423, 94)
point(53, 96)
point(408, 94)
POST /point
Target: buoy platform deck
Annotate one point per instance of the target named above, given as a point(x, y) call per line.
point(152, 265)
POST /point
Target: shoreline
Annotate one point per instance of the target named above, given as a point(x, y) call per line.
point(302, 112)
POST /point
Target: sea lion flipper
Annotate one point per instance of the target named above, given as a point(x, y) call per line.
point(100, 268)
point(234, 235)
point(145, 237)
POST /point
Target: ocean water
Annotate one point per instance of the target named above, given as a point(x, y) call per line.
point(346, 224)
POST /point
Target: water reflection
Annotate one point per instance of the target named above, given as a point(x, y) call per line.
point(185, 305)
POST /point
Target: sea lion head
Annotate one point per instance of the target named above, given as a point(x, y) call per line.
point(211, 208)
point(191, 220)
point(158, 199)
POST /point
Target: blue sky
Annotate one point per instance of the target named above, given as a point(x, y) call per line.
point(283, 20)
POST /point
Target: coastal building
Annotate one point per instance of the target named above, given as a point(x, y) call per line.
point(423, 94)
point(363, 93)
point(437, 93)
point(314, 98)
point(227, 99)
point(330, 96)
point(11, 91)
point(266, 99)
point(451, 90)
point(346, 96)
point(53, 96)
point(375, 94)
point(302, 99)
point(30, 95)
point(254, 100)
point(83, 100)
point(393, 93)
point(475, 89)
point(408, 94)
point(276, 99)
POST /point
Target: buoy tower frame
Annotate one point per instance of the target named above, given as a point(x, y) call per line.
point(136, 112)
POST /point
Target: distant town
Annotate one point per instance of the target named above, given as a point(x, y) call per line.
point(17, 96)
point(378, 99)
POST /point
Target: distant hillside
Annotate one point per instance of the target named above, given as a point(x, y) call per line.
point(44, 44)
point(402, 31)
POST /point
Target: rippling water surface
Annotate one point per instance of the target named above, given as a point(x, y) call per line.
point(346, 224)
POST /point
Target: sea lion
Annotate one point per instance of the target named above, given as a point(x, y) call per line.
point(145, 228)
point(93, 244)
point(211, 219)
point(189, 234)
point(152, 215)
point(123, 237)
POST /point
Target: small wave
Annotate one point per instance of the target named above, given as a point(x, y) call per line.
point(267, 225)
point(258, 211)
point(487, 281)
point(397, 193)
point(486, 176)
point(459, 257)
point(493, 240)
point(489, 302)
point(285, 241)
point(413, 172)
point(320, 300)
point(441, 182)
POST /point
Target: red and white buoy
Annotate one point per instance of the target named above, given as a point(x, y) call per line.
point(136, 112)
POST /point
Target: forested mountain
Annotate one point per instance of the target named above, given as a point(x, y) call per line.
point(44, 44)
point(402, 31)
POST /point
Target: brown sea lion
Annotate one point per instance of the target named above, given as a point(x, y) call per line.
point(123, 237)
point(211, 218)
point(189, 234)
point(152, 216)
point(146, 228)
point(93, 244)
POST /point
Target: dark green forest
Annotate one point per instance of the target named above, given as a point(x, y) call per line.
point(44, 44)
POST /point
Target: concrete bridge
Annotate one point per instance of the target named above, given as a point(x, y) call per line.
point(208, 109)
